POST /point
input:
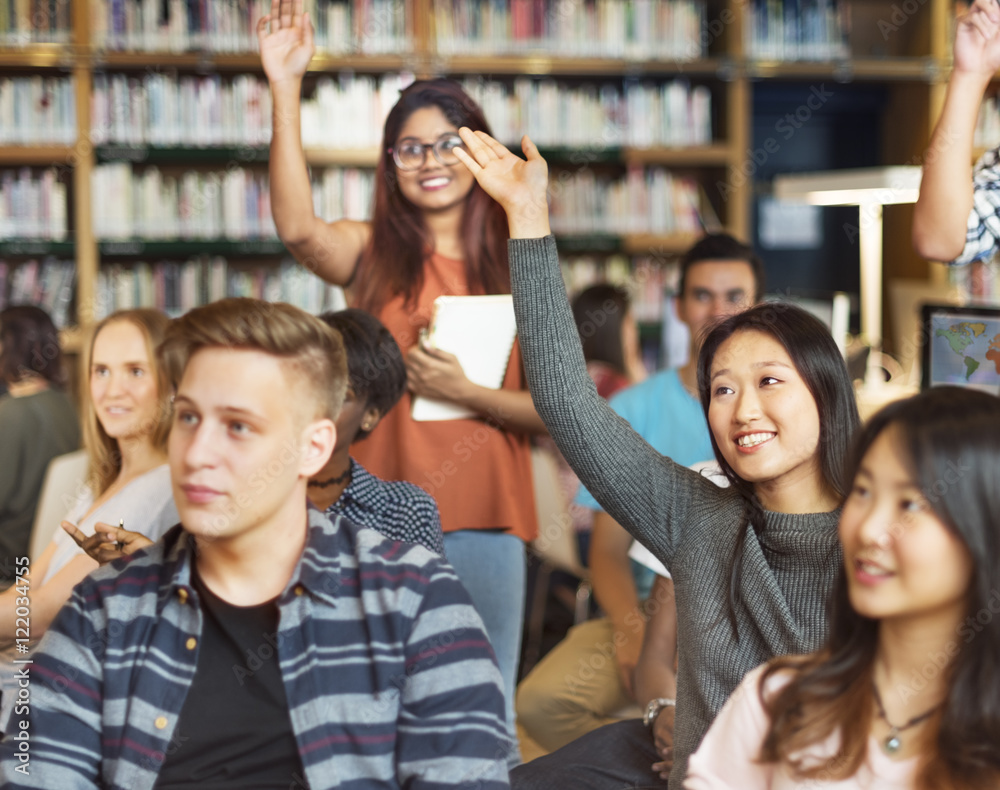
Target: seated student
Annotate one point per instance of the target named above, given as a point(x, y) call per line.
point(557, 703)
point(260, 642)
point(753, 564)
point(397, 509)
point(126, 418)
point(377, 380)
point(37, 423)
point(957, 216)
point(905, 693)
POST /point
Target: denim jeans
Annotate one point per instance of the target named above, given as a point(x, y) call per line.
point(491, 565)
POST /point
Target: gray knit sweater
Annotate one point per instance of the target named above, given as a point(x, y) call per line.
point(684, 519)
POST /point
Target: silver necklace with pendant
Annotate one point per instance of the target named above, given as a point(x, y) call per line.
point(892, 743)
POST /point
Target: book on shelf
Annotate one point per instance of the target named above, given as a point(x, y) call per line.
point(37, 110)
point(27, 22)
point(33, 204)
point(815, 30)
point(629, 29)
point(176, 287)
point(342, 26)
point(645, 200)
point(596, 115)
point(48, 284)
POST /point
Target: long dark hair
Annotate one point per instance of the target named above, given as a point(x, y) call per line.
point(393, 262)
point(821, 365)
point(949, 438)
point(600, 312)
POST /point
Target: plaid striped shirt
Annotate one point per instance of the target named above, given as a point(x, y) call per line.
point(982, 234)
point(398, 509)
point(390, 679)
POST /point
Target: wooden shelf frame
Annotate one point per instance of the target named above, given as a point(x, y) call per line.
point(728, 70)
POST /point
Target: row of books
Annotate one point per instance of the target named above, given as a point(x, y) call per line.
point(647, 281)
point(633, 29)
point(176, 287)
point(37, 110)
point(645, 200)
point(638, 114)
point(33, 205)
point(151, 204)
point(164, 109)
point(230, 26)
point(234, 204)
point(988, 124)
point(47, 283)
point(25, 22)
point(798, 29)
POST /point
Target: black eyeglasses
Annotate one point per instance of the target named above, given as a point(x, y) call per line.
point(410, 153)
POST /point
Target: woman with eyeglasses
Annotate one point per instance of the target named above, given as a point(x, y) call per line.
point(433, 231)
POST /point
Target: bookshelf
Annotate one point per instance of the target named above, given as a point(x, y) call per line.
point(720, 48)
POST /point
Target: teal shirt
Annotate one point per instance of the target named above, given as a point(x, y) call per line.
point(668, 417)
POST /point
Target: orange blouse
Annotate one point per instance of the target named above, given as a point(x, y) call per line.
point(479, 474)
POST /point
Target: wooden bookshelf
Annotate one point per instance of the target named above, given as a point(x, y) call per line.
point(915, 65)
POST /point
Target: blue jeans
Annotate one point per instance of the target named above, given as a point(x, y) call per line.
point(491, 565)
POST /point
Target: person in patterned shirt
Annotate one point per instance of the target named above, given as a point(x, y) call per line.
point(377, 380)
point(957, 217)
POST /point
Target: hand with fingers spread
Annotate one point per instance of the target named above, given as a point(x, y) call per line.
point(518, 185)
point(108, 542)
point(977, 40)
point(286, 41)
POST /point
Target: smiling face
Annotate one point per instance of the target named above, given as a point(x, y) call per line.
point(433, 187)
point(123, 387)
point(762, 414)
point(902, 561)
point(239, 455)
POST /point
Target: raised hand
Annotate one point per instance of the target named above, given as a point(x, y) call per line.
point(977, 39)
point(286, 41)
point(518, 185)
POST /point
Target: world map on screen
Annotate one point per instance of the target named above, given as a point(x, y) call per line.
point(965, 351)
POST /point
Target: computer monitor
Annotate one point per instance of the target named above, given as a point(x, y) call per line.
point(960, 346)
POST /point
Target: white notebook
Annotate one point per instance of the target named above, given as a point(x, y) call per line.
point(480, 331)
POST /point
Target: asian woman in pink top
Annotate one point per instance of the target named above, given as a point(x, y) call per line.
point(906, 693)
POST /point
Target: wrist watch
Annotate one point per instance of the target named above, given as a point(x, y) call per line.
point(653, 709)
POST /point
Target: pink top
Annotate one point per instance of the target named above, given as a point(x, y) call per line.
point(727, 756)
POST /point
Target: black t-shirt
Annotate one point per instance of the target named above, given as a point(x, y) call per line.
point(234, 732)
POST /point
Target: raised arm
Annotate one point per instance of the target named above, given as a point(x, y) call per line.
point(943, 210)
point(331, 250)
point(646, 493)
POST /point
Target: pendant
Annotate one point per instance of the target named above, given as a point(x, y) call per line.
point(892, 743)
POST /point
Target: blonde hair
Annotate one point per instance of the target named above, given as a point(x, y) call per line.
point(312, 350)
point(105, 454)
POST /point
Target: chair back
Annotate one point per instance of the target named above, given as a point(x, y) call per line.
point(62, 480)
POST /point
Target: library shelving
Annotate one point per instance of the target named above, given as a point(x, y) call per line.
point(690, 65)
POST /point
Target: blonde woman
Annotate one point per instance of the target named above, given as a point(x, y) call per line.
point(126, 419)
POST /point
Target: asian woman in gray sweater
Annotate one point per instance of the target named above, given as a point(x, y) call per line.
point(754, 564)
